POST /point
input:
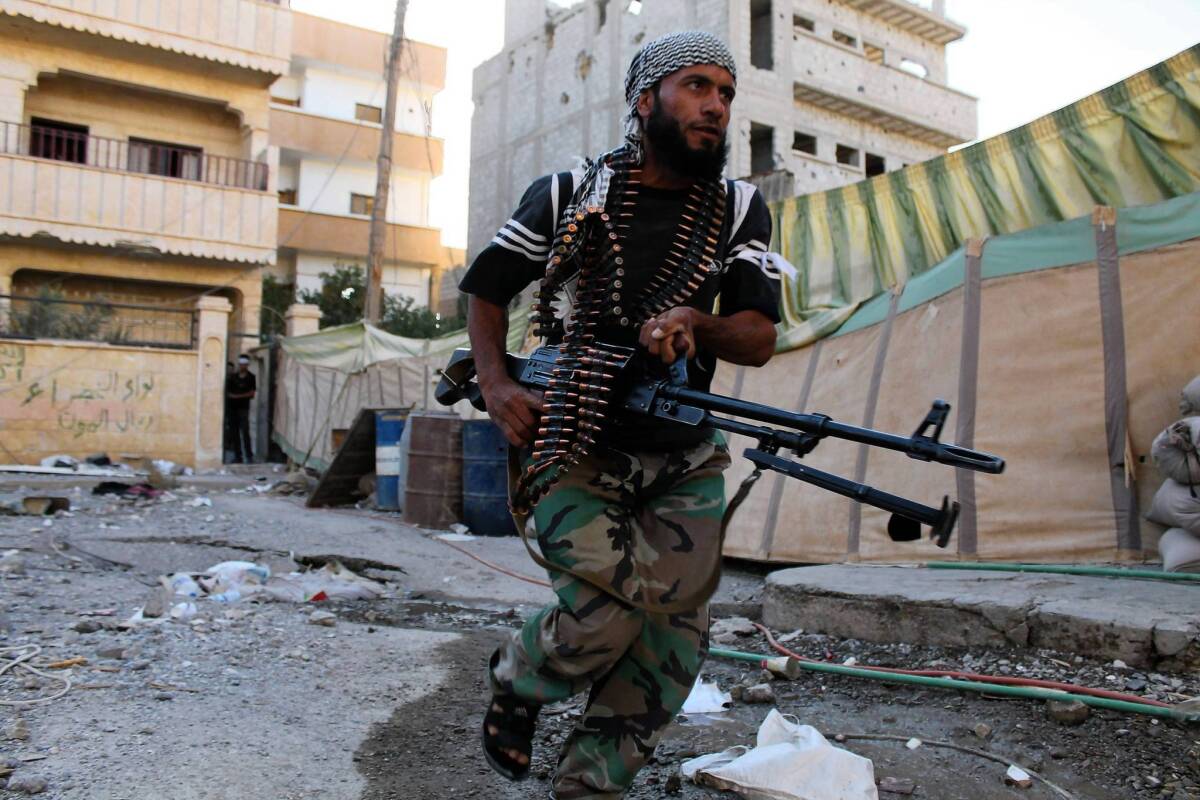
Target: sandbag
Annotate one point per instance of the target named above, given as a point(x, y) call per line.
point(1175, 506)
point(1176, 451)
point(1189, 398)
point(1180, 551)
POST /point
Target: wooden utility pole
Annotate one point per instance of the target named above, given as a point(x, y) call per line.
point(383, 174)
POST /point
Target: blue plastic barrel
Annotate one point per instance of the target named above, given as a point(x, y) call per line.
point(485, 480)
point(389, 425)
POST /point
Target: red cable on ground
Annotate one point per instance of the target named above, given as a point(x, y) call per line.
point(974, 676)
point(497, 567)
point(463, 550)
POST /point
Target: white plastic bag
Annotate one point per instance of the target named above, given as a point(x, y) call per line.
point(789, 762)
point(706, 698)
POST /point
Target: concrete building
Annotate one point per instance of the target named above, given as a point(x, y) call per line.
point(832, 91)
point(326, 117)
point(135, 166)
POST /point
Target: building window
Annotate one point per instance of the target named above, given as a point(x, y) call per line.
point(361, 203)
point(914, 68)
point(368, 113)
point(287, 197)
point(60, 141)
point(847, 155)
point(804, 143)
point(762, 148)
point(164, 158)
point(800, 23)
point(875, 165)
point(874, 53)
point(761, 42)
point(846, 39)
point(285, 101)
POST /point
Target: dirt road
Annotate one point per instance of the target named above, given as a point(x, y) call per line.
point(253, 700)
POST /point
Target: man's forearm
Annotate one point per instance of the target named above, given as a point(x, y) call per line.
point(746, 337)
point(487, 327)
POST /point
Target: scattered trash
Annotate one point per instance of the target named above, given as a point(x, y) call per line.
point(11, 563)
point(324, 618)
point(454, 536)
point(164, 467)
point(184, 610)
point(99, 460)
point(789, 761)
point(298, 482)
point(759, 693)
point(67, 663)
point(913, 743)
point(903, 786)
point(200, 501)
point(35, 506)
point(59, 462)
point(234, 581)
point(127, 489)
point(983, 730)
point(706, 698)
point(730, 629)
point(1015, 776)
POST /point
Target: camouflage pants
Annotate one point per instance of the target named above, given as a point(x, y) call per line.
point(641, 526)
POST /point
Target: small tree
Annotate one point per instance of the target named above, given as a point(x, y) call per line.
point(44, 316)
point(343, 294)
point(276, 297)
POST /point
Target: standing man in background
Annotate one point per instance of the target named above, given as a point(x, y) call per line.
point(239, 391)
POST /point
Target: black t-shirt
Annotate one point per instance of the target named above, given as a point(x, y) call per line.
point(517, 257)
point(240, 384)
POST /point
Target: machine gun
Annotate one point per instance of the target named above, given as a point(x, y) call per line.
point(669, 398)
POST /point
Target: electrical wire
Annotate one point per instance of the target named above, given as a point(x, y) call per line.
point(24, 654)
point(884, 737)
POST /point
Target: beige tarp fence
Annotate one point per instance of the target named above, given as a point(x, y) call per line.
point(1082, 329)
point(325, 378)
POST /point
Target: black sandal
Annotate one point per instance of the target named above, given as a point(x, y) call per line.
point(514, 724)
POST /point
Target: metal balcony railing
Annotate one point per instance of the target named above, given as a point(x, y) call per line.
point(131, 155)
point(47, 315)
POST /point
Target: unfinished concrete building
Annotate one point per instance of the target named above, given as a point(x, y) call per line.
point(832, 91)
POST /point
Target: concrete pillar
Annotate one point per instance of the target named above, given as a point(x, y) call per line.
point(15, 78)
point(5, 306)
point(301, 319)
point(212, 326)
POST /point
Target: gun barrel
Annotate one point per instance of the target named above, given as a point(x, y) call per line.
point(821, 426)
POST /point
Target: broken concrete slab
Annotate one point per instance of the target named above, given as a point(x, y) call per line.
point(1143, 623)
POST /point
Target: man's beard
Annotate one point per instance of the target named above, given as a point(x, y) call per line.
point(670, 145)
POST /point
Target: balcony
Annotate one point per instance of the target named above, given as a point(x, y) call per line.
point(348, 236)
point(908, 16)
point(244, 33)
point(843, 81)
point(325, 41)
point(137, 196)
point(304, 132)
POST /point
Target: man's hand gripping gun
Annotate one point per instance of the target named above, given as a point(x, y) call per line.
point(669, 398)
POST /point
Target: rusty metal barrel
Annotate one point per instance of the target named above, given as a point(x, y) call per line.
point(433, 484)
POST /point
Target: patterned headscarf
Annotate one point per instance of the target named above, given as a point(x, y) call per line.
point(660, 58)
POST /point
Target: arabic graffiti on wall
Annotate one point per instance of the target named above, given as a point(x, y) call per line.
point(77, 394)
